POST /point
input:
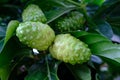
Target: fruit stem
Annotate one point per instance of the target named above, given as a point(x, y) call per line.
point(91, 24)
point(46, 59)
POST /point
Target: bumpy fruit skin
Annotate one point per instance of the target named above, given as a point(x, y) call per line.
point(35, 34)
point(33, 13)
point(74, 21)
point(69, 49)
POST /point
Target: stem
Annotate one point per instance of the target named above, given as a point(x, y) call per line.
point(48, 68)
point(73, 2)
point(80, 5)
point(91, 24)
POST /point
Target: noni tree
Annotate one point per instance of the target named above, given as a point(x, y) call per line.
point(59, 40)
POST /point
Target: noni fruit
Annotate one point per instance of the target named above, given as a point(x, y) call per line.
point(70, 49)
point(71, 22)
point(33, 13)
point(35, 34)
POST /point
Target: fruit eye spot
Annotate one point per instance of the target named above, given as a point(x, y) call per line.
point(33, 43)
point(21, 32)
point(34, 28)
point(27, 30)
point(31, 37)
point(24, 38)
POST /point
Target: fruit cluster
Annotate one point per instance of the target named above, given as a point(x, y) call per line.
point(34, 33)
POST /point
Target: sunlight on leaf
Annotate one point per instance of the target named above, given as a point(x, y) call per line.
point(12, 25)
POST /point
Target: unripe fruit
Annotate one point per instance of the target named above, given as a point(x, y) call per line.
point(70, 49)
point(71, 22)
point(35, 34)
point(33, 13)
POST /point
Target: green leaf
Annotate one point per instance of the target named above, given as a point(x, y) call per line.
point(89, 38)
point(12, 25)
point(102, 47)
point(79, 33)
point(1, 44)
point(4, 72)
point(104, 28)
point(114, 20)
point(95, 2)
point(5, 58)
point(54, 14)
point(116, 36)
point(63, 3)
point(43, 71)
point(2, 35)
point(94, 38)
point(22, 58)
point(9, 52)
point(2, 31)
point(106, 9)
point(80, 72)
point(11, 28)
point(115, 24)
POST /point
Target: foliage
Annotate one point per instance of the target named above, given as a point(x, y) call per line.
point(100, 31)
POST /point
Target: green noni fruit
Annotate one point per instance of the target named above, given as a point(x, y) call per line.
point(33, 13)
point(35, 34)
point(70, 49)
point(71, 22)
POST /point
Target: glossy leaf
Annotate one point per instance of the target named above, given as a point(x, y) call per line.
point(11, 28)
point(1, 44)
point(80, 72)
point(9, 52)
point(115, 24)
point(2, 31)
point(102, 47)
point(116, 36)
point(4, 72)
point(52, 15)
point(95, 2)
point(104, 28)
point(106, 9)
point(43, 71)
point(90, 38)
point(2, 35)
point(6, 35)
